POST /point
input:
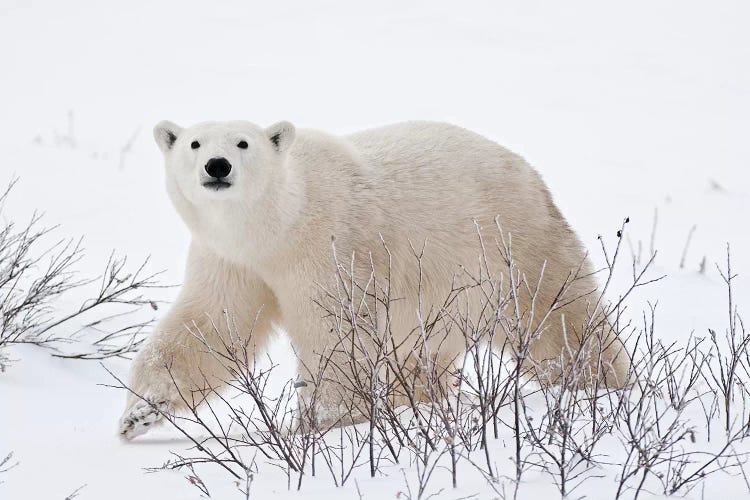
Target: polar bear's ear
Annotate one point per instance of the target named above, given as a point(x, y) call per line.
point(166, 133)
point(281, 135)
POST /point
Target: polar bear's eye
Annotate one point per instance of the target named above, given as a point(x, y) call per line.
point(242, 145)
point(195, 144)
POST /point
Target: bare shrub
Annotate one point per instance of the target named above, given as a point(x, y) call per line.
point(732, 354)
point(7, 464)
point(35, 275)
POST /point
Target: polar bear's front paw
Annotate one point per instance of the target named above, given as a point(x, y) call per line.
point(139, 418)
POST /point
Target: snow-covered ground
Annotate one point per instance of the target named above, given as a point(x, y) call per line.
point(626, 110)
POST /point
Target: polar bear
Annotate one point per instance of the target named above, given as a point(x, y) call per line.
point(263, 205)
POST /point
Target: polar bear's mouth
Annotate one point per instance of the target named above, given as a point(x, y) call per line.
point(217, 185)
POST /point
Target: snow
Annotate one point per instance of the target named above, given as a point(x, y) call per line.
point(624, 109)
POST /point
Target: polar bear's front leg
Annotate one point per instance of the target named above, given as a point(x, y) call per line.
point(152, 391)
point(182, 356)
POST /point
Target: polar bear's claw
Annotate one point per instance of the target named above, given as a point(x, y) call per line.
point(141, 416)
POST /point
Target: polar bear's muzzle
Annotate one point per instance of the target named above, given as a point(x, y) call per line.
point(218, 170)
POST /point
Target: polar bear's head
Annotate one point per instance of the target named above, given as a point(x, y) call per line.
point(212, 163)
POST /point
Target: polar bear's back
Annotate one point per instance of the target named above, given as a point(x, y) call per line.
point(434, 177)
point(444, 163)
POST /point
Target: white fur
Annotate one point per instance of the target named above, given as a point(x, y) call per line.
point(266, 241)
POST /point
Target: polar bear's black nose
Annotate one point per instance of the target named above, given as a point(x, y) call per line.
point(218, 167)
